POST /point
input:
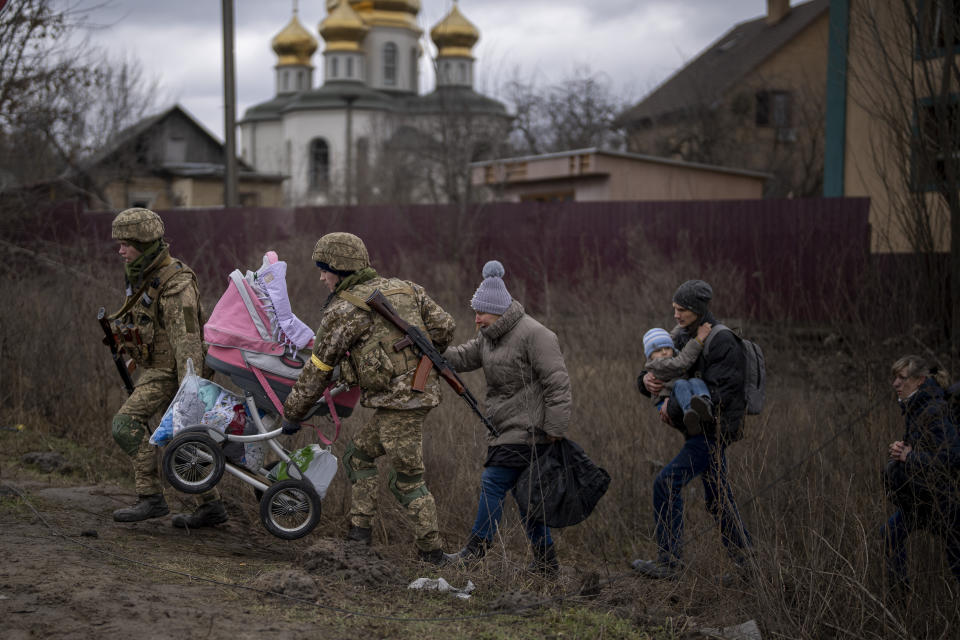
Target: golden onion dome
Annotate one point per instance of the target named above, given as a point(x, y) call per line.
point(383, 13)
point(454, 35)
point(342, 29)
point(294, 45)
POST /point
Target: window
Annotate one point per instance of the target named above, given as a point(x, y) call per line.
point(333, 67)
point(176, 149)
point(390, 64)
point(938, 26)
point(301, 80)
point(773, 109)
point(462, 72)
point(141, 199)
point(936, 143)
point(286, 80)
point(350, 67)
point(249, 199)
point(319, 164)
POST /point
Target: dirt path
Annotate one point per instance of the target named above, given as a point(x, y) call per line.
point(69, 571)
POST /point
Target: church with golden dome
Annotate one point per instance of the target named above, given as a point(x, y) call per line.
point(365, 133)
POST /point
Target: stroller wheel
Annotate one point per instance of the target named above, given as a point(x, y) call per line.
point(193, 462)
point(290, 509)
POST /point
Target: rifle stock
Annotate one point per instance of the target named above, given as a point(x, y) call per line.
point(116, 351)
point(414, 336)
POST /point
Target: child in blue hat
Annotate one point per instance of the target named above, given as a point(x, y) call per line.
point(664, 362)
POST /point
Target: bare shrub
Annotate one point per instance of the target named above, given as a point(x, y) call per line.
point(806, 474)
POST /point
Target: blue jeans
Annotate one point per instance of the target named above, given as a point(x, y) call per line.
point(494, 485)
point(683, 390)
point(705, 457)
point(895, 534)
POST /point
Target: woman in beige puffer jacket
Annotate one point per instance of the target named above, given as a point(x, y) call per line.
point(528, 401)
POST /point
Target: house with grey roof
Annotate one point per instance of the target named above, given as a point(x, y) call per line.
point(754, 99)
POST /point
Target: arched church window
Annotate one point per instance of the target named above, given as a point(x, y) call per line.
point(390, 64)
point(462, 72)
point(319, 163)
point(350, 67)
point(333, 67)
point(286, 80)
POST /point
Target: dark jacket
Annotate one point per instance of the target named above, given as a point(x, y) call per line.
point(723, 370)
point(932, 467)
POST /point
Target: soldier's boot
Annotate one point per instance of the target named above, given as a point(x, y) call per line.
point(436, 557)
point(206, 515)
point(544, 560)
point(146, 507)
point(474, 550)
point(363, 535)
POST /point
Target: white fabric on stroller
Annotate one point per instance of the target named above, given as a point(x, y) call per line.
point(270, 283)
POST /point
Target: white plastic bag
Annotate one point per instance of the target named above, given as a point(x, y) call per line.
point(186, 407)
point(198, 401)
point(317, 464)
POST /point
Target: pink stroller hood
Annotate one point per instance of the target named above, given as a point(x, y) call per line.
point(239, 320)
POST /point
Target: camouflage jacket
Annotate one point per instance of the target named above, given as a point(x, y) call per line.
point(161, 323)
point(360, 341)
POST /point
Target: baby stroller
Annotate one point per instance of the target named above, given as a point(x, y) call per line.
point(254, 339)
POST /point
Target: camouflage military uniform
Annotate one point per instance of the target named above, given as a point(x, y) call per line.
point(357, 338)
point(160, 326)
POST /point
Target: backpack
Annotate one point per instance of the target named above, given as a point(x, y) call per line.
point(755, 378)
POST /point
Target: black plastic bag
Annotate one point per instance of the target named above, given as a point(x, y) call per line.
point(562, 486)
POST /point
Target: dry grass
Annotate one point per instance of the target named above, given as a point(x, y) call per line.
point(806, 475)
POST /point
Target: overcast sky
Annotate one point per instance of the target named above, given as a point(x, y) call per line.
point(636, 43)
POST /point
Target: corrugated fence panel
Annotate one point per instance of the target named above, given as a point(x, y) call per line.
point(797, 258)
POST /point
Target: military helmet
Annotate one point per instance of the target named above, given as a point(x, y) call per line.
point(342, 252)
point(137, 224)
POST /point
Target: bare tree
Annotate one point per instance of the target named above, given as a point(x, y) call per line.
point(60, 99)
point(909, 91)
point(578, 112)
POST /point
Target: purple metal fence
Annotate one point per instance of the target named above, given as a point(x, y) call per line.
point(798, 258)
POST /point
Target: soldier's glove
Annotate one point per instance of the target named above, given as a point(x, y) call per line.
point(289, 428)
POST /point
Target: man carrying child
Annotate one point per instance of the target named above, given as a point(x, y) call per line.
point(722, 369)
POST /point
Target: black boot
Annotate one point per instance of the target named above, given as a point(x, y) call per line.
point(362, 535)
point(545, 560)
point(436, 557)
point(663, 568)
point(206, 515)
point(146, 507)
point(474, 550)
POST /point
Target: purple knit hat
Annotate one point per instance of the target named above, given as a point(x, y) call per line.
point(492, 295)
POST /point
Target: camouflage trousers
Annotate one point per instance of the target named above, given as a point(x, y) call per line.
point(399, 436)
point(154, 392)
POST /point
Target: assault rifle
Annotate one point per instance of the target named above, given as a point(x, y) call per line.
point(109, 339)
point(429, 356)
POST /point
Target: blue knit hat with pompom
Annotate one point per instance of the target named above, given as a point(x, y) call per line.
point(492, 295)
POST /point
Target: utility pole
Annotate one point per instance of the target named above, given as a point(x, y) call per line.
point(229, 109)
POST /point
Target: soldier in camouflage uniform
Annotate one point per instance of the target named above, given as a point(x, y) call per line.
point(359, 340)
point(160, 326)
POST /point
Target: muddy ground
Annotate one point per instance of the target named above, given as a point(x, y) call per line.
point(69, 571)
